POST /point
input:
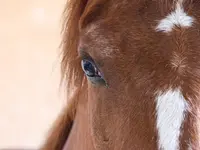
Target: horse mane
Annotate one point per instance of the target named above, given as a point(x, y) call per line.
point(71, 72)
point(72, 76)
point(75, 17)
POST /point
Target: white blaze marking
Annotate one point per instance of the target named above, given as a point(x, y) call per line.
point(170, 107)
point(176, 18)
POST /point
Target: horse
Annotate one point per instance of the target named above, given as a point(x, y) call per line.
point(132, 71)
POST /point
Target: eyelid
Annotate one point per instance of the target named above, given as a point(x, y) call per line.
point(85, 55)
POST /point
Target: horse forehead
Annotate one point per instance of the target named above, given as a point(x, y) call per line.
point(148, 10)
point(107, 32)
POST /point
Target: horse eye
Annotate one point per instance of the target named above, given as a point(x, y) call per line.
point(92, 72)
point(89, 68)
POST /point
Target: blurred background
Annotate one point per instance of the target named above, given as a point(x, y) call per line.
point(29, 70)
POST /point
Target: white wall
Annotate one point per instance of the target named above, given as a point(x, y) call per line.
point(29, 70)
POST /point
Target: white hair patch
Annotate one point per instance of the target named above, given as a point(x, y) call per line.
point(175, 18)
point(170, 109)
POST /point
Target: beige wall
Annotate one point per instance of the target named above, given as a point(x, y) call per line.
point(29, 70)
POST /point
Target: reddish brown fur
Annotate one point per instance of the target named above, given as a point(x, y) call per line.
point(123, 115)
